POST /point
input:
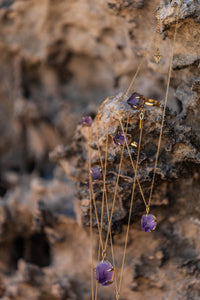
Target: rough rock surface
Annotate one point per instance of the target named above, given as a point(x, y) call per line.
point(179, 150)
point(59, 60)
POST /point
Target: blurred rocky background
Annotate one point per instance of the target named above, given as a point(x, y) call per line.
point(59, 60)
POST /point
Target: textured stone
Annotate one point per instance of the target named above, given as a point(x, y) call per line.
point(59, 60)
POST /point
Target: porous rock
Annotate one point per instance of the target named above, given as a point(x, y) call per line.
point(59, 60)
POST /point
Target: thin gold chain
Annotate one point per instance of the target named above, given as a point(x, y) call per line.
point(104, 185)
point(95, 208)
point(163, 117)
point(104, 178)
point(91, 222)
point(104, 196)
point(133, 80)
point(104, 190)
point(141, 116)
point(126, 144)
point(157, 154)
point(134, 167)
point(165, 105)
point(113, 204)
point(158, 30)
point(116, 186)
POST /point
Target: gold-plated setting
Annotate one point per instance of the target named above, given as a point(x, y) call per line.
point(109, 282)
point(141, 117)
point(134, 144)
point(151, 102)
point(111, 270)
point(103, 255)
point(155, 220)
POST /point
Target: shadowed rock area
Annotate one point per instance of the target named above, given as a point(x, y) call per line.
point(59, 61)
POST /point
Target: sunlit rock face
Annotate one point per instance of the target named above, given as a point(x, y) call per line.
point(59, 60)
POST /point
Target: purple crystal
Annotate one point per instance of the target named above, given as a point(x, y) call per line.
point(148, 222)
point(104, 272)
point(136, 101)
point(87, 121)
point(119, 139)
point(96, 173)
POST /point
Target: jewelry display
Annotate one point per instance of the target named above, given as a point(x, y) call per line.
point(105, 272)
point(100, 150)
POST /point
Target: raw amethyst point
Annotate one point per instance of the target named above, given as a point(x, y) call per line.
point(136, 101)
point(96, 173)
point(119, 139)
point(87, 121)
point(104, 273)
point(148, 222)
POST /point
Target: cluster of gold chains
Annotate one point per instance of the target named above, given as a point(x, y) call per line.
point(103, 245)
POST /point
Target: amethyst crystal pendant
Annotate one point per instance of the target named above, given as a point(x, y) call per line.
point(87, 121)
point(136, 101)
point(148, 222)
point(119, 139)
point(96, 173)
point(104, 273)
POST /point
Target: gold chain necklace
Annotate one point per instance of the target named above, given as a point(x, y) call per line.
point(109, 269)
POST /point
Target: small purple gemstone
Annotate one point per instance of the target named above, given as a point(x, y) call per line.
point(148, 222)
point(119, 139)
point(104, 273)
point(136, 101)
point(87, 121)
point(96, 173)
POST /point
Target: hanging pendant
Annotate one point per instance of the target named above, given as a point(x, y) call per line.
point(119, 139)
point(148, 222)
point(157, 57)
point(96, 173)
point(104, 273)
point(136, 101)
